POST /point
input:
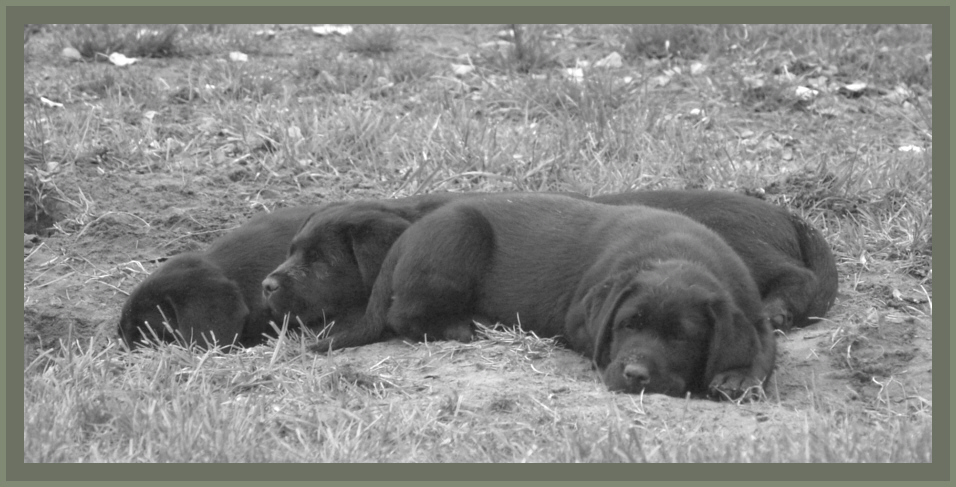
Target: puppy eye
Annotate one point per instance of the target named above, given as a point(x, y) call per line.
point(631, 323)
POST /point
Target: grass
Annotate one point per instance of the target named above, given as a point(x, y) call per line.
point(166, 154)
point(280, 404)
point(375, 40)
point(99, 41)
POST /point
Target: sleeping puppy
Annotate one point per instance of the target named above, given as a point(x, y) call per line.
point(335, 257)
point(215, 294)
point(788, 258)
point(659, 302)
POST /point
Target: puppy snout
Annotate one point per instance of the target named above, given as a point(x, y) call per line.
point(637, 374)
point(269, 285)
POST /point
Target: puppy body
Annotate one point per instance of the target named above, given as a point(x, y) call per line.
point(788, 258)
point(217, 292)
point(588, 272)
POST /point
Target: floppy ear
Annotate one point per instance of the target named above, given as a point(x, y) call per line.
point(733, 344)
point(142, 308)
point(222, 313)
point(602, 303)
point(206, 309)
point(372, 238)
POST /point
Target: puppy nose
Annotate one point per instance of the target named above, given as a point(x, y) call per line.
point(269, 286)
point(638, 374)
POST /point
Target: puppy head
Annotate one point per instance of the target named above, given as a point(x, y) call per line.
point(666, 329)
point(190, 295)
point(333, 262)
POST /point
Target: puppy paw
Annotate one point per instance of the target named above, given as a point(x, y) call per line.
point(782, 321)
point(462, 332)
point(780, 317)
point(321, 346)
point(736, 385)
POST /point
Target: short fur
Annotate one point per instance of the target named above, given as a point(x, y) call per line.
point(325, 279)
point(788, 258)
point(217, 292)
point(660, 302)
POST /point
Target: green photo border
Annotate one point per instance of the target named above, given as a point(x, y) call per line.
point(581, 11)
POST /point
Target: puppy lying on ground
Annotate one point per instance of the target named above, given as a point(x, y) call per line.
point(335, 258)
point(216, 293)
point(660, 302)
point(788, 258)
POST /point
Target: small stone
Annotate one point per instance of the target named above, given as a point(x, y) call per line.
point(71, 54)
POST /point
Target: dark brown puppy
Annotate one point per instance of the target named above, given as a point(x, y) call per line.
point(788, 258)
point(334, 259)
point(660, 302)
point(215, 293)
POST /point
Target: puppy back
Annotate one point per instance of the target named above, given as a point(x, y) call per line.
point(818, 257)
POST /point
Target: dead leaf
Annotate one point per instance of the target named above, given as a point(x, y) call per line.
point(660, 80)
point(697, 68)
point(50, 103)
point(899, 94)
point(71, 54)
point(612, 60)
point(819, 83)
point(575, 74)
point(461, 69)
point(806, 94)
point(328, 30)
point(853, 90)
point(494, 44)
point(770, 144)
point(238, 57)
point(119, 59)
point(753, 81)
point(147, 33)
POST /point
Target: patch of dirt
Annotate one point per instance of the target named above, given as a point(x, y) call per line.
point(487, 375)
point(879, 368)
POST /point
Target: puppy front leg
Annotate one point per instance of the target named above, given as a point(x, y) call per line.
point(744, 381)
point(438, 277)
point(370, 326)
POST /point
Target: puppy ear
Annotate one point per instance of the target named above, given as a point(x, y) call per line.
point(734, 341)
point(602, 303)
point(372, 238)
point(214, 308)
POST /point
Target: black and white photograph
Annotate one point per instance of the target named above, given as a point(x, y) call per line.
point(478, 243)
